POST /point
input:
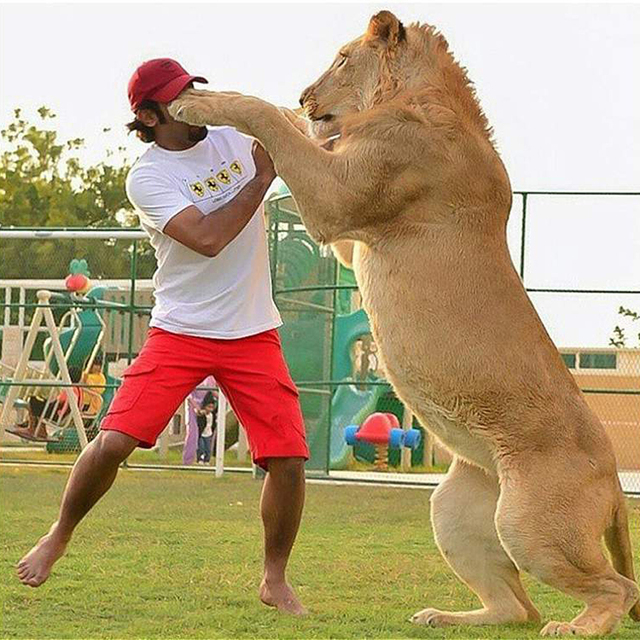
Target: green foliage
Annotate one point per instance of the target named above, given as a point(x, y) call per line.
point(620, 337)
point(44, 183)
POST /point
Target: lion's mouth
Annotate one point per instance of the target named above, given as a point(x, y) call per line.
point(325, 118)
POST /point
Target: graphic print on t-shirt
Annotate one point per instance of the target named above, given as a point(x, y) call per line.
point(212, 185)
point(220, 182)
point(197, 188)
point(223, 176)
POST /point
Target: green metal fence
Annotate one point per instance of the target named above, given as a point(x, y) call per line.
point(324, 335)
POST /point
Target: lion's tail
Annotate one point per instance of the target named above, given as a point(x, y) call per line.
point(619, 545)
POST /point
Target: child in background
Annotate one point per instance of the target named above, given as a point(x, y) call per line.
point(206, 428)
point(92, 402)
point(54, 409)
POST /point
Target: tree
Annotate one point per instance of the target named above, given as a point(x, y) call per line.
point(43, 183)
point(620, 337)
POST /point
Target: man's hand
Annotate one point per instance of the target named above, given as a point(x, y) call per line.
point(264, 167)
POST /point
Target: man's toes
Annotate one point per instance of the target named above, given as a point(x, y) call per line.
point(27, 578)
point(36, 579)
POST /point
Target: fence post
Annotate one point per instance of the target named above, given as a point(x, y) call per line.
point(7, 309)
point(132, 297)
point(221, 426)
point(523, 234)
point(243, 444)
point(405, 454)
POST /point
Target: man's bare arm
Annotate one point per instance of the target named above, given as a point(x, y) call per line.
point(209, 235)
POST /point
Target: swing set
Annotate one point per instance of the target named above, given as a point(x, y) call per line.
point(73, 344)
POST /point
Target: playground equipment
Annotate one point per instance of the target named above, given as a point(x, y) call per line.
point(383, 431)
point(72, 344)
point(46, 378)
point(78, 279)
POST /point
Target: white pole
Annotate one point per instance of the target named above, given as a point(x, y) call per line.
point(220, 433)
point(243, 443)
point(405, 455)
point(7, 309)
point(22, 299)
point(163, 441)
point(96, 234)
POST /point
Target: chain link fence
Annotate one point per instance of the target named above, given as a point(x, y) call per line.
point(101, 326)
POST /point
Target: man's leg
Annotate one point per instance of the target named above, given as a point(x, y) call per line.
point(207, 449)
point(92, 475)
point(281, 508)
point(253, 375)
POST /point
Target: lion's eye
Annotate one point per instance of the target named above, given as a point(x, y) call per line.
point(342, 60)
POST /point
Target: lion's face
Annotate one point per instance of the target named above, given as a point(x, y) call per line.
point(342, 88)
point(349, 84)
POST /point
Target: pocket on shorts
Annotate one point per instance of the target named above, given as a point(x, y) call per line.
point(288, 413)
point(133, 385)
point(286, 384)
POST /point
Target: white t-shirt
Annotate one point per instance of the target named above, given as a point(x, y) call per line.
point(228, 296)
point(208, 430)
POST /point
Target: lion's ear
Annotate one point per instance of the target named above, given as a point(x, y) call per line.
point(385, 26)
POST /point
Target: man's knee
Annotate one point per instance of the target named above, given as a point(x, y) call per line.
point(113, 446)
point(290, 468)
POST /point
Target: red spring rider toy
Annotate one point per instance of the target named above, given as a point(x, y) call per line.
point(383, 431)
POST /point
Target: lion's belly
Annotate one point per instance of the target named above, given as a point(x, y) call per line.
point(453, 434)
point(410, 357)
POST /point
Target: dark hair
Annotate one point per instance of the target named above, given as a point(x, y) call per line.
point(75, 373)
point(146, 134)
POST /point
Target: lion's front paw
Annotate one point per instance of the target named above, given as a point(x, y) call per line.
point(195, 110)
point(564, 629)
point(432, 618)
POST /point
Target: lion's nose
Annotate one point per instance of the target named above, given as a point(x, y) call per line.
point(304, 95)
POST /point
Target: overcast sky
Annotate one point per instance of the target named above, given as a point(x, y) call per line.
point(559, 84)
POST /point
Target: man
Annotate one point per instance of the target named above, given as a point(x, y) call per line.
point(199, 197)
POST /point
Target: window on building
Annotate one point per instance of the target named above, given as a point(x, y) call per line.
point(598, 360)
point(569, 359)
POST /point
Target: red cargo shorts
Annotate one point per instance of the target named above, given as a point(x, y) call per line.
point(251, 372)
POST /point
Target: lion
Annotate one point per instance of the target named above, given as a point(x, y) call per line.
point(415, 197)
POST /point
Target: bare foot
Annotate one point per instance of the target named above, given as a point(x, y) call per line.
point(281, 596)
point(35, 567)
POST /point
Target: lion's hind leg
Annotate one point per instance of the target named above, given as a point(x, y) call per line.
point(554, 532)
point(462, 515)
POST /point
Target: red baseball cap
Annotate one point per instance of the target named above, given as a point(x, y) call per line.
point(161, 79)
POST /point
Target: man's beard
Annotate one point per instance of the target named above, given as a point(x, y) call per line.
point(197, 133)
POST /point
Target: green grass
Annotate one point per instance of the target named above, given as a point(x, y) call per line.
point(178, 555)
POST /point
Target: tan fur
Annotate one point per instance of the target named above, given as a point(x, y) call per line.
point(415, 196)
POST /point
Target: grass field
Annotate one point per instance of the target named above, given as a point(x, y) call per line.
point(178, 555)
